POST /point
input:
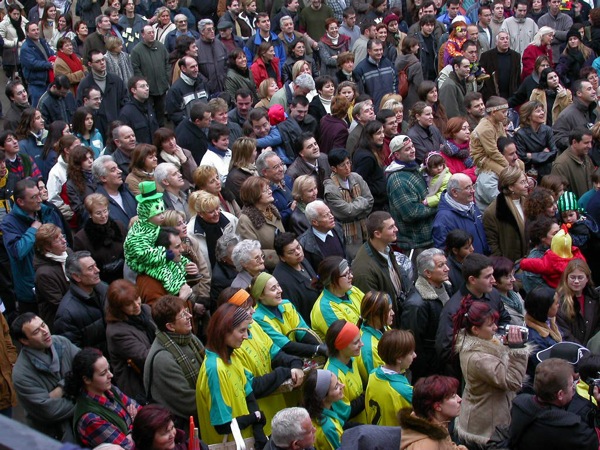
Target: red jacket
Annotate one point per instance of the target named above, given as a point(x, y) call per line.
point(550, 266)
point(530, 54)
point(259, 70)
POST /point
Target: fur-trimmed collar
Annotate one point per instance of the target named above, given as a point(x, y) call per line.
point(411, 422)
point(257, 217)
point(468, 343)
point(427, 291)
point(503, 211)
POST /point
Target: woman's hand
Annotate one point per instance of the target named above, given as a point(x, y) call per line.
point(297, 377)
point(513, 337)
point(132, 410)
point(180, 155)
point(560, 89)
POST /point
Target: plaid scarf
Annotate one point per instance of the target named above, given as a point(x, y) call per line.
point(356, 231)
point(173, 342)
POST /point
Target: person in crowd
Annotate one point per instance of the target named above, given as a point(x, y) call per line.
point(575, 164)
point(333, 128)
point(530, 83)
point(81, 33)
point(292, 428)
point(475, 109)
point(163, 24)
point(174, 360)
point(12, 31)
point(321, 391)
point(424, 135)
point(376, 317)
point(57, 103)
point(18, 163)
point(259, 218)
point(484, 138)
point(266, 65)
point(423, 307)
point(574, 57)
point(239, 75)
point(67, 63)
point(39, 376)
point(184, 46)
point(535, 140)
point(303, 192)
point(122, 204)
point(428, 93)
point(388, 390)
point(118, 62)
point(266, 90)
point(81, 314)
point(362, 113)
point(278, 317)
point(504, 274)
point(459, 244)
point(80, 183)
point(84, 128)
point(103, 413)
point(18, 98)
point(541, 304)
point(143, 162)
point(51, 283)
point(339, 299)
point(31, 134)
point(493, 372)
point(555, 425)
point(504, 64)
point(579, 312)
point(578, 114)
point(168, 151)
point(504, 220)
point(209, 222)
point(129, 335)
point(154, 429)
point(452, 92)
point(139, 113)
point(296, 51)
point(435, 403)
point(49, 156)
point(455, 150)
point(242, 165)
point(551, 94)
point(34, 55)
point(249, 261)
point(344, 343)
point(408, 62)
point(457, 209)
point(541, 231)
point(368, 161)
point(541, 45)
point(169, 178)
point(19, 228)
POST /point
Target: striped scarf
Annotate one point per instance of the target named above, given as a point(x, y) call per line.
point(172, 343)
point(356, 231)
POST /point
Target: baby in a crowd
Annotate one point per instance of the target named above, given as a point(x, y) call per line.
point(581, 228)
point(437, 178)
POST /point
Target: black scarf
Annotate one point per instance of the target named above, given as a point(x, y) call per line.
point(103, 235)
point(577, 55)
point(143, 323)
point(213, 232)
point(17, 25)
point(243, 72)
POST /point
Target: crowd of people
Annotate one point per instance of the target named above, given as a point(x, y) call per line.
point(322, 222)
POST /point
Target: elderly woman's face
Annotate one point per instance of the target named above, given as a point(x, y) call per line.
point(58, 245)
point(309, 193)
point(213, 185)
point(255, 262)
point(99, 214)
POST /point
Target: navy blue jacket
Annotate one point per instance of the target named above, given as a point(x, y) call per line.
point(115, 212)
point(141, 118)
point(448, 219)
point(35, 64)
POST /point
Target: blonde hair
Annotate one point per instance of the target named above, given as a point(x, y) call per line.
point(263, 89)
point(508, 177)
point(297, 68)
point(172, 217)
point(203, 202)
point(566, 294)
point(93, 200)
point(387, 97)
point(300, 184)
point(202, 174)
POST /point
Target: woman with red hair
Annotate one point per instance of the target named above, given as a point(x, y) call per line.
point(493, 372)
point(153, 429)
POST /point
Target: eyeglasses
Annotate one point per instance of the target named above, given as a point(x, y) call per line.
point(260, 258)
point(267, 191)
point(347, 274)
point(184, 314)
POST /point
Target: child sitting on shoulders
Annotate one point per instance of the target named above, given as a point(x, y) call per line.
point(581, 228)
point(437, 178)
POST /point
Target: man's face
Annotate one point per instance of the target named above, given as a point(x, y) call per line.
point(33, 32)
point(350, 20)
point(429, 10)
point(390, 127)
point(191, 68)
point(38, 336)
point(308, 435)
point(205, 121)
point(583, 147)
point(181, 23)
point(148, 34)
point(126, 139)
point(261, 127)
point(264, 24)
point(376, 52)
point(98, 63)
point(275, 170)
point(484, 283)
point(298, 112)
point(61, 92)
point(175, 247)
point(174, 179)
point(453, 11)
point(427, 29)
point(20, 95)
point(498, 11)
point(114, 17)
point(371, 32)
point(388, 232)
point(367, 114)
point(465, 192)
point(243, 105)
point(477, 108)
point(503, 42)
point(407, 153)
point(208, 33)
point(554, 6)
point(473, 32)
point(141, 91)
point(32, 201)
point(440, 270)
point(510, 154)
point(485, 17)
point(288, 26)
point(587, 93)
point(94, 99)
point(90, 274)
point(172, 4)
point(471, 53)
point(316, 4)
point(463, 69)
point(113, 176)
point(235, 7)
point(310, 150)
point(226, 34)
point(293, 6)
point(105, 24)
point(521, 11)
point(325, 220)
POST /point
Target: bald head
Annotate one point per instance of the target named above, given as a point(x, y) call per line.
point(460, 188)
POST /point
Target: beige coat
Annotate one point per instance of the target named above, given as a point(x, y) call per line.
point(561, 102)
point(493, 374)
point(12, 46)
point(421, 434)
point(484, 148)
point(253, 225)
point(61, 68)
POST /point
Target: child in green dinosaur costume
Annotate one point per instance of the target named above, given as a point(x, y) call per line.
point(141, 253)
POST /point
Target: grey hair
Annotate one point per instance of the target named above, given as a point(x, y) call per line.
point(286, 426)
point(203, 24)
point(282, 19)
point(99, 19)
point(162, 172)
point(98, 168)
point(223, 244)
point(305, 81)
point(179, 17)
point(358, 108)
point(425, 260)
point(453, 183)
point(311, 212)
point(241, 253)
point(537, 38)
point(73, 266)
point(500, 32)
point(261, 161)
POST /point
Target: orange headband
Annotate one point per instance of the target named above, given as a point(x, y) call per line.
point(347, 334)
point(239, 298)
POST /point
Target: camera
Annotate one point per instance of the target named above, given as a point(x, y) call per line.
point(592, 382)
point(504, 329)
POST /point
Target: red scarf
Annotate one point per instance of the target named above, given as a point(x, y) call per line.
point(72, 61)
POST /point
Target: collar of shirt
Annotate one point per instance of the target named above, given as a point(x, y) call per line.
point(320, 235)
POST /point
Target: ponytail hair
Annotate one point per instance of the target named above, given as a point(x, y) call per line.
point(472, 313)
